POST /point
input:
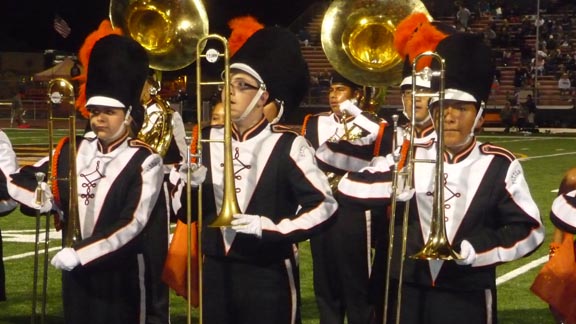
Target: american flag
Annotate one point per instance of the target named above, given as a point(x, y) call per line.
point(61, 27)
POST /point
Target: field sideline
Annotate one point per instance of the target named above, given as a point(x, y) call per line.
point(544, 158)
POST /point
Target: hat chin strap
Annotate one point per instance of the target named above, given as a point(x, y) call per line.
point(280, 112)
point(425, 121)
point(478, 116)
point(122, 128)
point(252, 103)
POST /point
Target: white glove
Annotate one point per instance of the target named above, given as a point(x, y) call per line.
point(45, 199)
point(402, 192)
point(349, 108)
point(467, 253)
point(247, 224)
point(380, 163)
point(66, 259)
point(197, 174)
point(405, 195)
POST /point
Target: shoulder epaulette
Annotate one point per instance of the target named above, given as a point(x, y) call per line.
point(135, 142)
point(304, 123)
point(488, 148)
point(276, 128)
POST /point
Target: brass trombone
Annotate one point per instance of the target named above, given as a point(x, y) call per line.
point(59, 91)
point(437, 246)
point(229, 202)
point(39, 199)
point(62, 91)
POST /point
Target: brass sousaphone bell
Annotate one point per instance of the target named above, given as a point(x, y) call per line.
point(168, 30)
point(357, 38)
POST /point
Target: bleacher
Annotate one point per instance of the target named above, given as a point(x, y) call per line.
point(548, 97)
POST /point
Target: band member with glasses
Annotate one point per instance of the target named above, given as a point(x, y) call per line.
point(250, 269)
point(105, 277)
point(490, 216)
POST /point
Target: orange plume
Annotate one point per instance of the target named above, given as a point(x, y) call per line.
point(103, 30)
point(242, 28)
point(416, 35)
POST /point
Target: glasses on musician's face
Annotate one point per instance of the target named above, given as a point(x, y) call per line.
point(240, 85)
point(407, 94)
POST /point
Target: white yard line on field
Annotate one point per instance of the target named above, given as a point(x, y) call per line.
point(514, 139)
point(29, 236)
point(519, 271)
point(28, 254)
point(545, 156)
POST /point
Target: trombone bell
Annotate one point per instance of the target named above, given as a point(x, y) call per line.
point(437, 248)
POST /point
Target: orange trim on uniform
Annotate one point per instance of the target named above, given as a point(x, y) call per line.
point(403, 154)
point(378, 142)
point(53, 179)
point(194, 143)
point(304, 123)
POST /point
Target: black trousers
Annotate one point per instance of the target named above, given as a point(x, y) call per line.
point(341, 261)
point(237, 292)
point(432, 305)
point(155, 249)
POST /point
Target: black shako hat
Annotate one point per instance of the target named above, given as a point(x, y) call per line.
point(337, 78)
point(117, 71)
point(469, 68)
point(274, 55)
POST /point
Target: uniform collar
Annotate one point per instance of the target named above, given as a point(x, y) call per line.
point(250, 132)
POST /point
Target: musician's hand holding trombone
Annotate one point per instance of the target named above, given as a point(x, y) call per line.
point(197, 173)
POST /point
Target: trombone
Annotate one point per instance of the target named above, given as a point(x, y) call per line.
point(437, 246)
point(229, 201)
point(59, 91)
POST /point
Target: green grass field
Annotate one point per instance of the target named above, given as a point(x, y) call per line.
point(544, 158)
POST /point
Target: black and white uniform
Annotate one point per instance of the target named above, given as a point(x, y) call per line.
point(157, 249)
point(563, 212)
point(8, 164)
point(118, 191)
point(487, 202)
point(342, 255)
point(249, 279)
point(425, 138)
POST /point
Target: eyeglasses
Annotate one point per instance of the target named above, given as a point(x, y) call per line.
point(240, 85)
point(419, 92)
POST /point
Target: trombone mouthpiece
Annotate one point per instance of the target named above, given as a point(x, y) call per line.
point(40, 177)
point(39, 194)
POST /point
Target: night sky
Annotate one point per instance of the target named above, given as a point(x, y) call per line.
point(26, 25)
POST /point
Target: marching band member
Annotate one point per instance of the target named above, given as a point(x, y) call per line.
point(251, 268)
point(490, 215)
point(345, 139)
point(414, 35)
point(563, 217)
point(160, 118)
point(104, 277)
point(8, 165)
